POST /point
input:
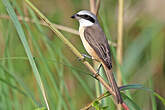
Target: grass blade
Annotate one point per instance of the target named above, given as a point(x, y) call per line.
point(139, 86)
point(131, 104)
point(22, 37)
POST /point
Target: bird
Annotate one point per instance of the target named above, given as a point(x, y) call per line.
point(96, 44)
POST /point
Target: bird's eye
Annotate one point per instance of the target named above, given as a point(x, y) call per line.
point(86, 16)
point(78, 15)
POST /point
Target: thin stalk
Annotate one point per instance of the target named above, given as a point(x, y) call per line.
point(97, 84)
point(153, 99)
point(120, 43)
point(60, 27)
point(93, 6)
point(120, 40)
point(97, 6)
point(27, 19)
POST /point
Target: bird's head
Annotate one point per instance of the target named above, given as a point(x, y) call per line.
point(85, 18)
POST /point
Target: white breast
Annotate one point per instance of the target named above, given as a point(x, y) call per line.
point(88, 48)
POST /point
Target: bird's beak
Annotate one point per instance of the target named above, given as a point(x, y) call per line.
point(73, 16)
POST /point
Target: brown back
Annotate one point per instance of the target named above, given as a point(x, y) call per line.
point(98, 41)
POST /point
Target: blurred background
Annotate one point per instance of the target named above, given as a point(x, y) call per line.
point(66, 80)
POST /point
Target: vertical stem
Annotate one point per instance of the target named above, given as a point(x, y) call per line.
point(120, 40)
point(97, 6)
point(25, 10)
point(93, 5)
point(97, 84)
point(120, 43)
point(153, 99)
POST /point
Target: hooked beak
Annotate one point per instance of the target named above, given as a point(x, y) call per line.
point(74, 16)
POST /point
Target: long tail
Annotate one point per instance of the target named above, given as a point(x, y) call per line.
point(113, 84)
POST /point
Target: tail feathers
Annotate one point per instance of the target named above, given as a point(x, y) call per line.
point(113, 84)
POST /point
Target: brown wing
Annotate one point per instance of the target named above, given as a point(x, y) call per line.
point(97, 40)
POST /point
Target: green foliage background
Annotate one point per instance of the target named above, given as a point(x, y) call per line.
point(66, 80)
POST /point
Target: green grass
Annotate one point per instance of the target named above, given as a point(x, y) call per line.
point(31, 55)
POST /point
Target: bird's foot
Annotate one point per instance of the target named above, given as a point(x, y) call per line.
point(84, 57)
point(95, 75)
point(97, 72)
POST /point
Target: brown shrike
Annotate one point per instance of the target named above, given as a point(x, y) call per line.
point(96, 44)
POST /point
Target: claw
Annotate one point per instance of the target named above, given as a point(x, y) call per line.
point(86, 56)
point(81, 59)
point(95, 75)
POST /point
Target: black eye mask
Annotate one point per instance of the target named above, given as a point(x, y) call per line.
point(87, 17)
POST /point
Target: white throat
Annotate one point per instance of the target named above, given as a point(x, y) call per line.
point(85, 23)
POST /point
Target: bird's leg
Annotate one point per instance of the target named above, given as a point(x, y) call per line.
point(90, 57)
point(99, 67)
point(98, 70)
